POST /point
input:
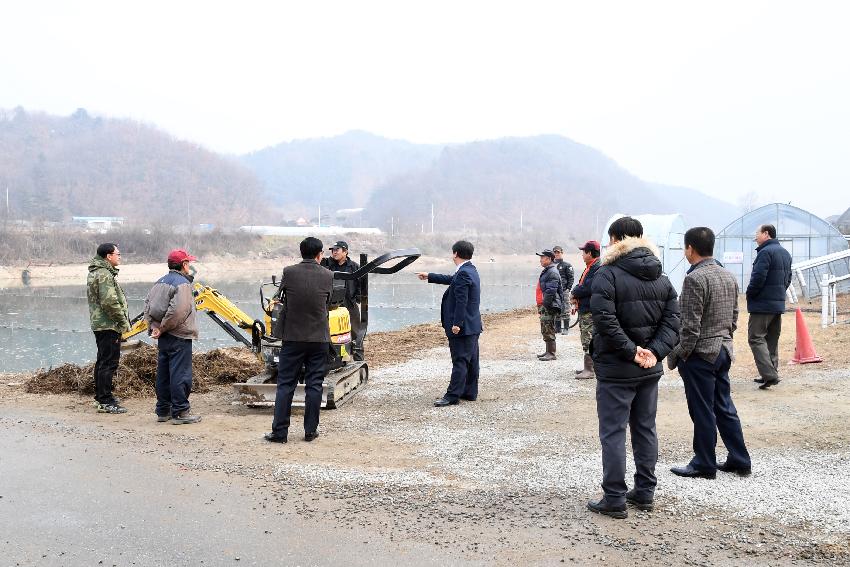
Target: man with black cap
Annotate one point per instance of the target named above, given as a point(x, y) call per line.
point(340, 262)
point(581, 303)
point(565, 270)
point(550, 300)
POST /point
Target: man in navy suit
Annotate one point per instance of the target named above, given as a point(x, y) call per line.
point(461, 318)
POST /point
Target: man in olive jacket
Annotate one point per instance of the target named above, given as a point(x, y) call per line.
point(109, 319)
point(305, 290)
point(635, 325)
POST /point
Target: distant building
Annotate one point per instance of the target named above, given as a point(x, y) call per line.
point(306, 230)
point(98, 224)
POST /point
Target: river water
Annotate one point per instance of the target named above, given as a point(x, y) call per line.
point(43, 327)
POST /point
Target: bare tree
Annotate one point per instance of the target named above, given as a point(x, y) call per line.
point(748, 201)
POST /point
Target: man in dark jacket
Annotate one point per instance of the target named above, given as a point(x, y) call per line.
point(461, 319)
point(108, 316)
point(550, 302)
point(565, 270)
point(305, 290)
point(635, 325)
point(769, 281)
point(581, 303)
point(340, 262)
point(170, 313)
point(709, 303)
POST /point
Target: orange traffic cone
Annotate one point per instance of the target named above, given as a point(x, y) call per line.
point(804, 351)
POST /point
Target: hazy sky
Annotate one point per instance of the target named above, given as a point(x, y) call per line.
point(724, 97)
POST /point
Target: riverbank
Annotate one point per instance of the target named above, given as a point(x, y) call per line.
point(503, 480)
point(228, 269)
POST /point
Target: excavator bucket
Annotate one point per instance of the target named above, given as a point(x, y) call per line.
point(337, 388)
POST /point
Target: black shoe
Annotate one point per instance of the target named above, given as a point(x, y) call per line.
point(310, 436)
point(740, 471)
point(272, 438)
point(639, 503)
point(690, 472)
point(758, 380)
point(606, 509)
point(163, 418)
point(766, 385)
point(443, 402)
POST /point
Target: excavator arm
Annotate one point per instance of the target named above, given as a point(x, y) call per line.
point(224, 312)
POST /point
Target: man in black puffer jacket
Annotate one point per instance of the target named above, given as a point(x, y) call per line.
point(766, 303)
point(635, 325)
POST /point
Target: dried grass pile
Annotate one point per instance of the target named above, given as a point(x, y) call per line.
point(136, 374)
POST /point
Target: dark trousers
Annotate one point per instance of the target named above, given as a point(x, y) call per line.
point(314, 357)
point(106, 365)
point(763, 330)
point(619, 405)
point(173, 375)
point(709, 396)
point(464, 380)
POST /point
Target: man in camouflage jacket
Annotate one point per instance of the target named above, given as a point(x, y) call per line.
point(109, 319)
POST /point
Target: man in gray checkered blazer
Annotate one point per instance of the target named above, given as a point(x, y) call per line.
point(709, 304)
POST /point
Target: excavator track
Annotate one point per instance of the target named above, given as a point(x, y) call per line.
point(337, 388)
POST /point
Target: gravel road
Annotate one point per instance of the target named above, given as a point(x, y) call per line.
point(503, 480)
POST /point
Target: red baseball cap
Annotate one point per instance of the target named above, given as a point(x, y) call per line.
point(590, 245)
point(180, 255)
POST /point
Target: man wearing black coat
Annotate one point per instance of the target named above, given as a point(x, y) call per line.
point(305, 290)
point(340, 262)
point(770, 279)
point(461, 319)
point(636, 324)
point(565, 270)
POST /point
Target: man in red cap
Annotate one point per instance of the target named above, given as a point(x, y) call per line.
point(170, 313)
point(581, 303)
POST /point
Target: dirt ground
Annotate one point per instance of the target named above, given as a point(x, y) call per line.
point(504, 480)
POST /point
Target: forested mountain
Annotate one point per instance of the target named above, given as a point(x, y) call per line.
point(338, 172)
point(550, 182)
point(58, 167)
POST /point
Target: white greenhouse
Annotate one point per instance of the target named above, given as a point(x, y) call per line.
point(805, 235)
point(668, 234)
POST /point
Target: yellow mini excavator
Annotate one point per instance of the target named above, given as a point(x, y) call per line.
point(345, 376)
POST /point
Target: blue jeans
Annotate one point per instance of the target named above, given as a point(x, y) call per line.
point(173, 375)
point(709, 396)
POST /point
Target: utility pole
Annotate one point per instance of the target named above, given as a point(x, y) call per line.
point(392, 226)
point(319, 224)
point(520, 220)
point(432, 218)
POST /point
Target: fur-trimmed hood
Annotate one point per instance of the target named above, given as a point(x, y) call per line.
point(638, 256)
